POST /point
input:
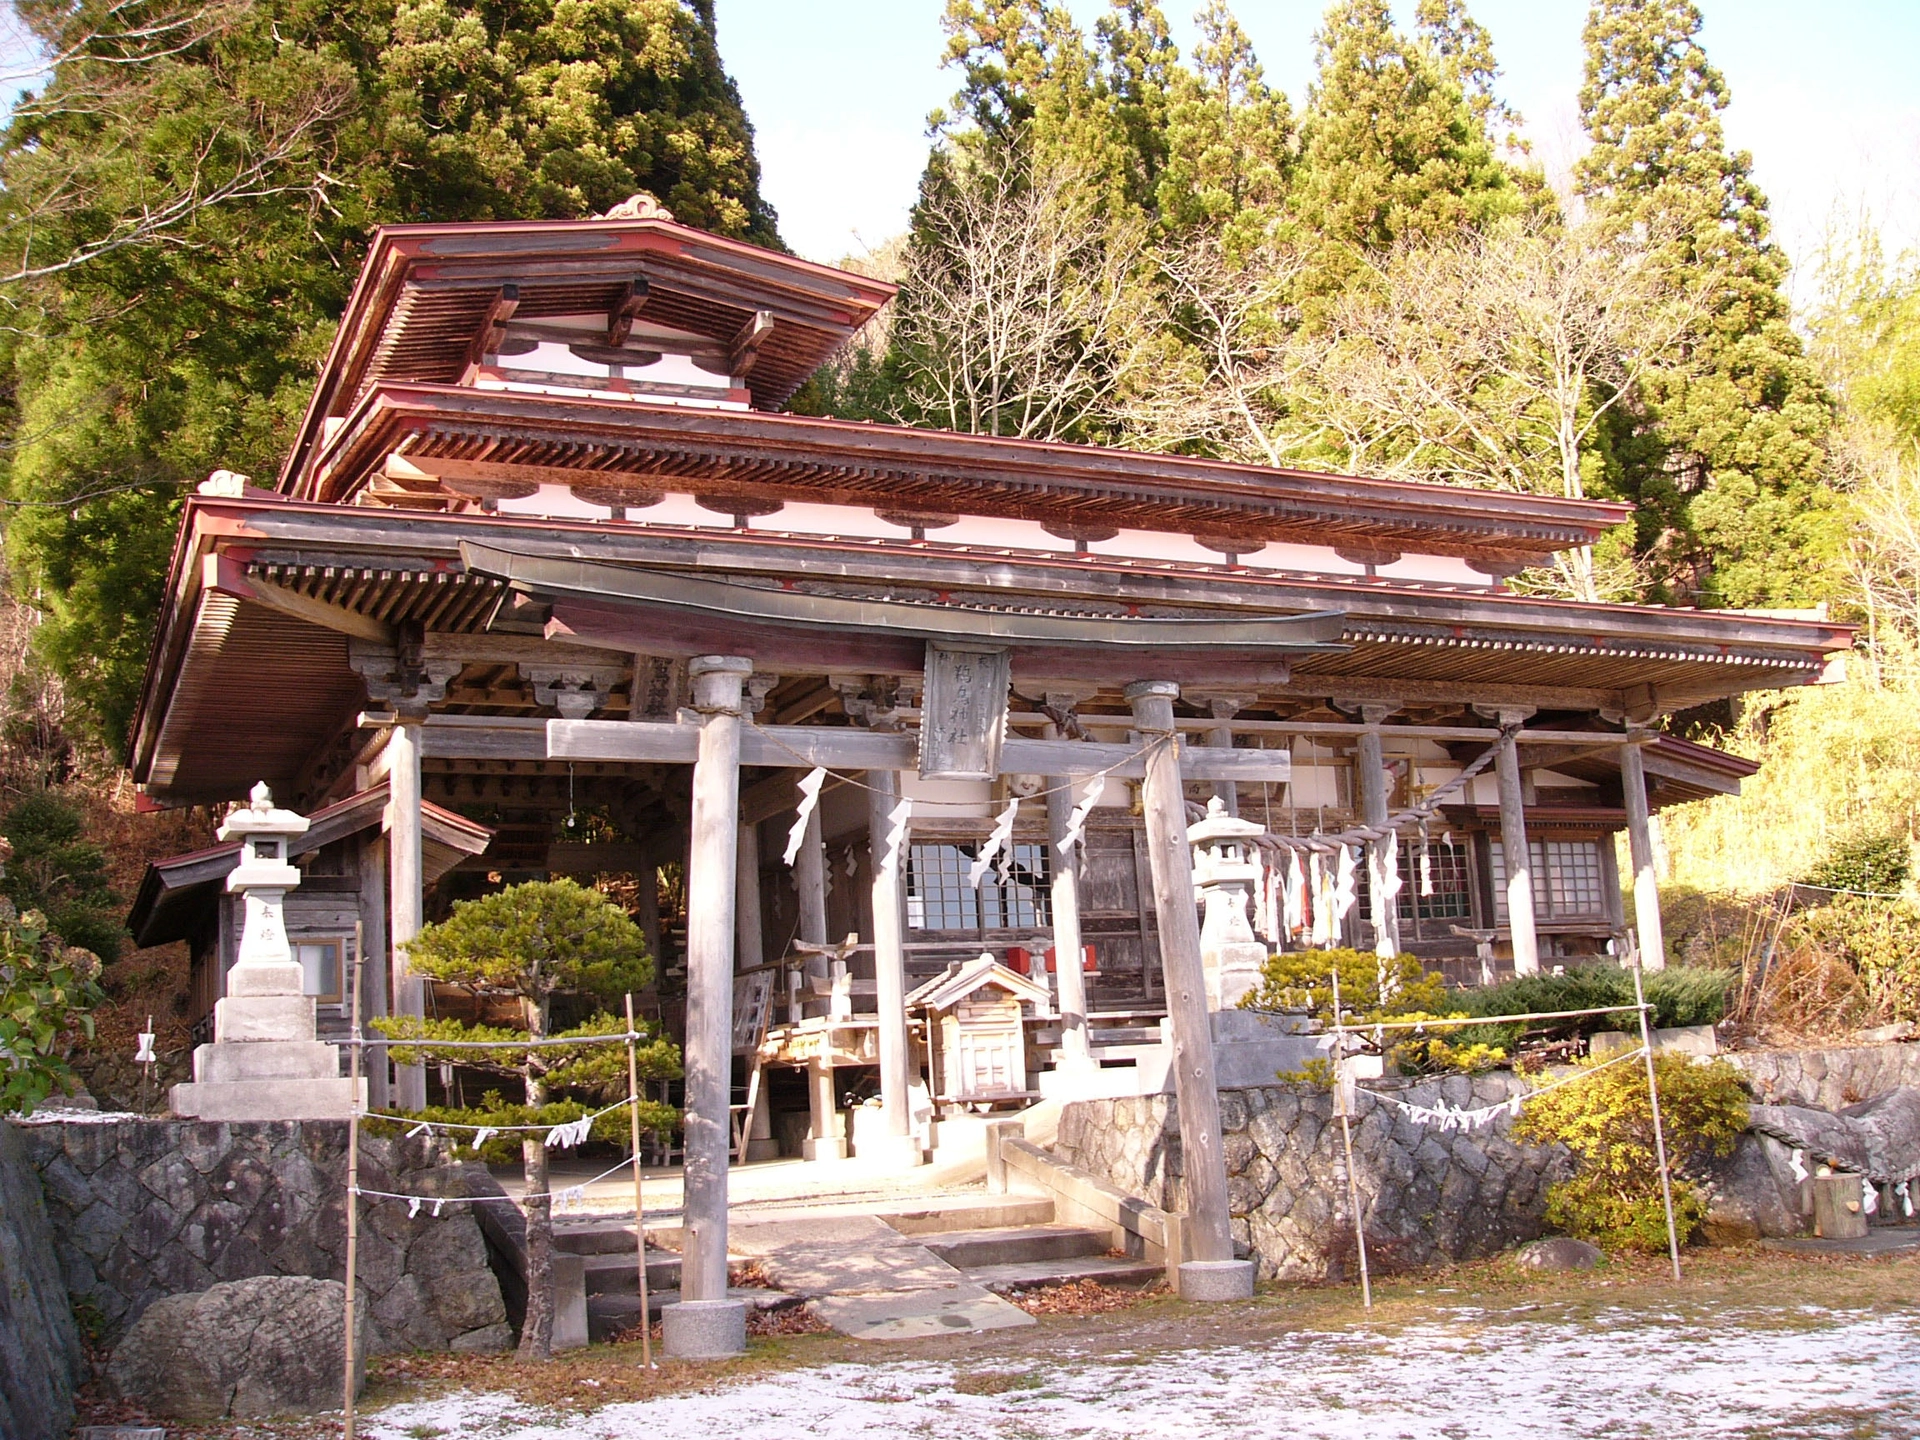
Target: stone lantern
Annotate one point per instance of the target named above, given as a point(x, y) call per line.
point(1225, 875)
point(265, 1062)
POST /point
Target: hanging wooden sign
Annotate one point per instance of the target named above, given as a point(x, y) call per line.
point(963, 717)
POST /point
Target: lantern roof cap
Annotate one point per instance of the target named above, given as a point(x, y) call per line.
point(259, 816)
point(1219, 826)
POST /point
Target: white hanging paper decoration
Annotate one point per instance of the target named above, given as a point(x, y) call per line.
point(413, 1207)
point(1906, 1198)
point(484, 1134)
point(436, 1208)
point(996, 842)
point(573, 1195)
point(1795, 1162)
point(1426, 865)
point(1295, 917)
point(1320, 897)
point(849, 864)
point(896, 836)
point(1076, 829)
point(421, 1129)
point(1869, 1197)
point(1391, 884)
point(1344, 891)
point(573, 1132)
point(809, 788)
point(144, 1055)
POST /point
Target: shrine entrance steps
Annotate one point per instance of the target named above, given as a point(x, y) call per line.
point(905, 1272)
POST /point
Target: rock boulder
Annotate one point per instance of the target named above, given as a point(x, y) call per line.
point(1558, 1254)
point(245, 1349)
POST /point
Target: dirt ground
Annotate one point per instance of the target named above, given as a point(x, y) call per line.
point(1765, 1297)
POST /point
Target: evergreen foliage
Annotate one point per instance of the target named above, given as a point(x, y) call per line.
point(1729, 464)
point(1613, 1197)
point(129, 377)
point(1376, 988)
point(56, 871)
point(47, 988)
point(527, 945)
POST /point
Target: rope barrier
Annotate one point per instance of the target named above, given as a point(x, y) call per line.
point(419, 1124)
point(1511, 1104)
point(846, 779)
point(615, 1037)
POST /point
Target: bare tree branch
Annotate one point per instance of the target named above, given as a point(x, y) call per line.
point(1014, 311)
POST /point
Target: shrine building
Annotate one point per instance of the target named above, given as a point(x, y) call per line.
point(550, 583)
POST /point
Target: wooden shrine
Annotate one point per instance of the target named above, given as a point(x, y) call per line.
point(977, 1031)
point(547, 553)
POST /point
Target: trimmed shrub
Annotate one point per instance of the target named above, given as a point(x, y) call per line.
point(1877, 864)
point(1613, 1197)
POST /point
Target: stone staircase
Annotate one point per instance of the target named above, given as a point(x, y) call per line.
point(876, 1274)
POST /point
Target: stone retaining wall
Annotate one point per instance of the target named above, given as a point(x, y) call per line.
point(40, 1356)
point(1430, 1195)
point(144, 1208)
point(1831, 1079)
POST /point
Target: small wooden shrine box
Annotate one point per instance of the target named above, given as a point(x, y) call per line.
point(980, 1048)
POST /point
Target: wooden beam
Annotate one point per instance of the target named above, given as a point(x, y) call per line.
point(225, 576)
point(796, 746)
point(744, 351)
point(620, 318)
point(493, 327)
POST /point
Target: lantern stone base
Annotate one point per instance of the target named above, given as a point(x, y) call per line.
point(266, 1060)
point(267, 1098)
point(1251, 1049)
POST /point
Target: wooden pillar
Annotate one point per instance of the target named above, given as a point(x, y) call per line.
point(373, 979)
point(824, 1140)
point(1383, 912)
point(1646, 888)
point(810, 880)
point(890, 975)
point(749, 934)
point(1221, 738)
point(1513, 845)
point(1209, 1231)
point(405, 882)
point(714, 851)
point(1066, 925)
point(648, 902)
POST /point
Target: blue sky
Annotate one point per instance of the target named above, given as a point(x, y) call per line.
point(1825, 95)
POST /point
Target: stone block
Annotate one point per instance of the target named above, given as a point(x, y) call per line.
point(254, 979)
point(263, 1017)
point(267, 1099)
point(570, 1302)
point(1557, 1254)
point(266, 1060)
point(704, 1329)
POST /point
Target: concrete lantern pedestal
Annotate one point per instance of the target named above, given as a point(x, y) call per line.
point(265, 1062)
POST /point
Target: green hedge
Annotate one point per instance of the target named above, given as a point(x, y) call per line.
point(1684, 995)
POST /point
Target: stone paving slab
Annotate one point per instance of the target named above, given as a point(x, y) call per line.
point(815, 1270)
point(916, 1314)
point(851, 1232)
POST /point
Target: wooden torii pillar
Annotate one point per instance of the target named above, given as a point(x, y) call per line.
point(1208, 1270)
point(706, 1323)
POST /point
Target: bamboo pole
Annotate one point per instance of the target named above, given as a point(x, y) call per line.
point(1653, 1096)
point(353, 1181)
point(1346, 1137)
point(639, 1200)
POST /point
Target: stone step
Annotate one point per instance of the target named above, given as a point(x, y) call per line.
point(982, 1213)
point(616, 1274)
point(1029, 1274)
point(602, 1238)
point(1013, 1245)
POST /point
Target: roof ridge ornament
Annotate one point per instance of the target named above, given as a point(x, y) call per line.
point(637, 206)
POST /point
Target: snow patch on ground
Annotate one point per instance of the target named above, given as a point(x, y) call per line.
point(1806, 1372)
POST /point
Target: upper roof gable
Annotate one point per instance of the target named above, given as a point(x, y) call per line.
point(428, 294)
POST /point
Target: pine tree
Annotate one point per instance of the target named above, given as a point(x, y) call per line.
point(1729, 473)
point(127, 378)
point(1230, 138)
point(1392, 147)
